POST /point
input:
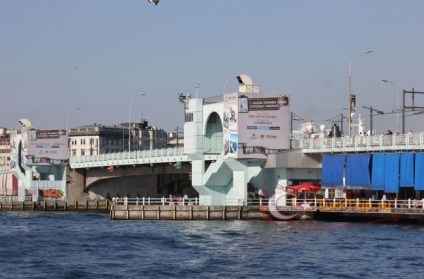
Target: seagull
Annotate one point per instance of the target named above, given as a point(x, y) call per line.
point(154, 1)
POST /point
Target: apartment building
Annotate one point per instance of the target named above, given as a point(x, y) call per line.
point(5, 148)
point(100, 139)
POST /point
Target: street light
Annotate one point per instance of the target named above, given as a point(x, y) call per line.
point(67, 116)
point(129, 119)
point(397, 102)
point(349, 116)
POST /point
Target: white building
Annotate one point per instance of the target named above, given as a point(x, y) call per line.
point(100, 139)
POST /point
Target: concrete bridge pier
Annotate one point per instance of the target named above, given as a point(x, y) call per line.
point(224, 182)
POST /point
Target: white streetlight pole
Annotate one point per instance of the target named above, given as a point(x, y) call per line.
point(129, 119)
point(397, 102)
point(349, 116)
point(67, 116)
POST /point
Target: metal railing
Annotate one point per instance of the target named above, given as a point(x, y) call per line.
point(165, 155)
point(182, 201)
point(367, 205)
point(295, 204)
point(364, 205)
point(408, 141)
point(154, 201)
point(165, 152)
point(15, 198)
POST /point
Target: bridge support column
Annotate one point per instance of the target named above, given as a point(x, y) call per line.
point(237, 194)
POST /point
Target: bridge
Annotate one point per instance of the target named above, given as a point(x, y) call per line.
point(208, 173)
point(232, 149)
point(219, 173)
point(355, 144)
point(155, 156)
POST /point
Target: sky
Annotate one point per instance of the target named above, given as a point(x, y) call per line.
point(99, 55)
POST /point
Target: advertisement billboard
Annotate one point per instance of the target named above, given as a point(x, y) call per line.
point(47, 147)
point(255, 124)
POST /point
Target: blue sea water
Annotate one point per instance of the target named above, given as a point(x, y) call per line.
point(90, 245)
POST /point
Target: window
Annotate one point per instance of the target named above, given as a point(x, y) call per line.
point(82, 141)
point(82, 152)
point(74, 152)
point(189, 117)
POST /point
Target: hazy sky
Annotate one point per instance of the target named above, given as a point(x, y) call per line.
point(56, 55)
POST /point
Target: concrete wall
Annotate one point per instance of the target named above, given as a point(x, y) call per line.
point(142, 181)
point(75, 184)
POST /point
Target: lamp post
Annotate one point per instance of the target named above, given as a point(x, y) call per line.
point(67, 116)
point(349, 116)
point(397, 102)
point(129, 119)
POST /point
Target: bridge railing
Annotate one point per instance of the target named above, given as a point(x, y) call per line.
point(164, 152)
point(408, 141)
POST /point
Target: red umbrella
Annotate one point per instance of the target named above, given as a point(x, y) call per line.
point(306, 187)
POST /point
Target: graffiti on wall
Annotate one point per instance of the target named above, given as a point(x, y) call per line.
point(51, 193)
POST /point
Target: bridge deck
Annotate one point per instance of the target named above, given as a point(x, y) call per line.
point(168, 155)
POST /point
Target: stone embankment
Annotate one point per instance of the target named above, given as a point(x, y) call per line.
point(53, 205)
point(195, 212)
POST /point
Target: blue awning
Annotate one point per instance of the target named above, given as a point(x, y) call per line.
point(332, 170)
point(358, 171)
point(392, 173)
point(419, 171)
point(378, 171)
point(407, 169)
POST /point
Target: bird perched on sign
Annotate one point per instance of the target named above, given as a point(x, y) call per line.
point(154, 1)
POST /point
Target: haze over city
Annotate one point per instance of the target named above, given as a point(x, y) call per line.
point(59, 55)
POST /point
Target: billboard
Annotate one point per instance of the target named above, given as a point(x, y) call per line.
point(46, 147)
point(255, 124)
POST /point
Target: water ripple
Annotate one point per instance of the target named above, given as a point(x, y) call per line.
point(89, 245)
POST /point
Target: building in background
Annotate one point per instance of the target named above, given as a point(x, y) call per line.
point(100, 139)
point(176, 138)
point(5, 148)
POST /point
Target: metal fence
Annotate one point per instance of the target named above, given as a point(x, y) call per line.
point(165, 152)
point(408, 141)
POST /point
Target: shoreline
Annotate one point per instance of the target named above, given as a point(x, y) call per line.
point(202, 212)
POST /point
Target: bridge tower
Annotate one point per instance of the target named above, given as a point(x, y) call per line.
point(243, 128)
